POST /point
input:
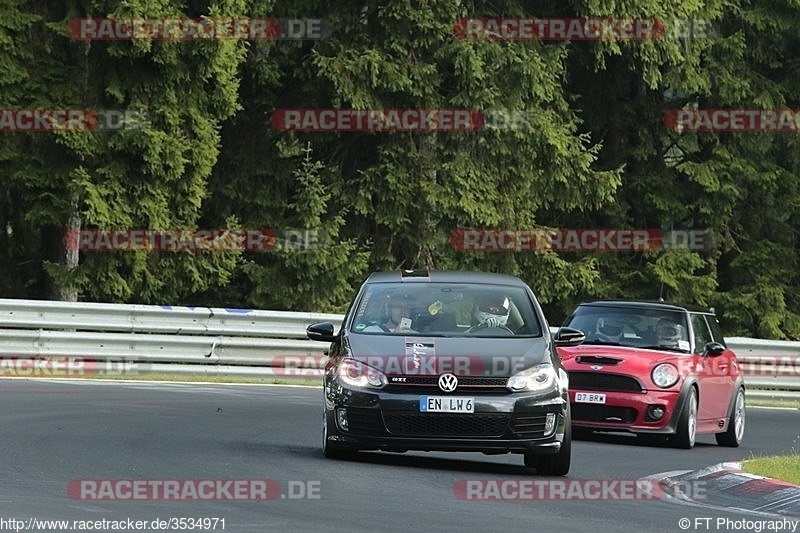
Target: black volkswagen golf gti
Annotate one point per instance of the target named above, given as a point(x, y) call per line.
point(446, 361)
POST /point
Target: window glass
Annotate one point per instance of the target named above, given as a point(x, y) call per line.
point(701, 334)
point(446, 309)
point(638, 327)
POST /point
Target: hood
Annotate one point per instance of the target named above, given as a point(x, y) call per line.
point(615, 359)
point(463, 356)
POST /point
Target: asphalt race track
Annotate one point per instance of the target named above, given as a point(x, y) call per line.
point(54, 432)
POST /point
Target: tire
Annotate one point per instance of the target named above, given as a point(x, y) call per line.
point(733, 436)
point(559, 463)
point(330, 449)
point(687, 423)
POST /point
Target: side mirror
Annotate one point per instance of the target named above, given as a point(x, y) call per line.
point(568, 337)
point(320, 332)
point(713, 349)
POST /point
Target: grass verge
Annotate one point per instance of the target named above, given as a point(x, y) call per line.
point(783, 467)
point(764, 402)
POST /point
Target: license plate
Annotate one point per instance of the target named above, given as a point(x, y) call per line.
point(446, 404)
point(585, 397)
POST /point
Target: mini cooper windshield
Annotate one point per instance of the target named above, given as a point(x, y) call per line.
point(656, 329)
point(446, 310)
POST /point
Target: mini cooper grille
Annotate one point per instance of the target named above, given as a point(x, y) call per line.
point(603, 413)
point(446, 425)
point(418, 384)
point(528, 427)
point(601, 381)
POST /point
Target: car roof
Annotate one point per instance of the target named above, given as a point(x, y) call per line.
point(445, 276)
point(649, 305)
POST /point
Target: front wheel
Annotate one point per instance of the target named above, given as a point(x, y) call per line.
point(687, 423)
point(733, 436)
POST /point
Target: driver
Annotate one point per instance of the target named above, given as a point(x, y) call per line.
point(609, 329)
point(396, 311)
point(491, 310)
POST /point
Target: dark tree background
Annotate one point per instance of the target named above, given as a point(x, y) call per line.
point(597, 154)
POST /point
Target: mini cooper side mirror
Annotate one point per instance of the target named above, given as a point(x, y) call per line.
point(713, 349)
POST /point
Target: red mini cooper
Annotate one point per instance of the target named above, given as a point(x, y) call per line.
point(652, 369)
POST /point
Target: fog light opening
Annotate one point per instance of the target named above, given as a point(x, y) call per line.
point(549, 424)
point(341, 418)
point(655, 412)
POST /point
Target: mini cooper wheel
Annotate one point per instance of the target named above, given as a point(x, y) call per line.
point(687, 423)
point(735, 433)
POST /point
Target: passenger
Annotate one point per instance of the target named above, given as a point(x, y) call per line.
point(668, 333)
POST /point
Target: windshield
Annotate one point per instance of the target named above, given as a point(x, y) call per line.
point(445, 309)
point(632, 326)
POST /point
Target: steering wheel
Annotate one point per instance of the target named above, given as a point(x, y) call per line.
point(484, 325)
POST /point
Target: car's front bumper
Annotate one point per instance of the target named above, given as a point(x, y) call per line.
point(391, 421)
point(627, 411)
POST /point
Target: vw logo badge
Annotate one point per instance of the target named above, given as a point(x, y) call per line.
point(448, 382)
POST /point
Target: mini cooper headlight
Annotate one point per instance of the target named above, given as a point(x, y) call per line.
point(665, 375)
point(356, 374)
point(540, 378)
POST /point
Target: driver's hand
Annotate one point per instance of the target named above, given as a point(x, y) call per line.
point(492, 322)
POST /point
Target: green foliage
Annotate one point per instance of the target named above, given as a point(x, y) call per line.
point(594, 153)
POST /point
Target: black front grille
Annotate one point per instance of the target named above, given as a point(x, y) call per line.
point(528, 427)
point(417, 384)
point(603, 413)
point(364, 421)
point(603, 381)
point(446, 424)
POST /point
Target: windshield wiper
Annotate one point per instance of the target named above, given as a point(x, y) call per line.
point(662, 347)
point(608, 343)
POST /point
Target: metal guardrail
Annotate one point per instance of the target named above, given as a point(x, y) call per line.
point(771, 368)
point(246, 342)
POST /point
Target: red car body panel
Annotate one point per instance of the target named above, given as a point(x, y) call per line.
point(605, 369)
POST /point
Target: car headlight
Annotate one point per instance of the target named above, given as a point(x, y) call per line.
point(356, 374)
point(540, 378)
point(665, 375)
